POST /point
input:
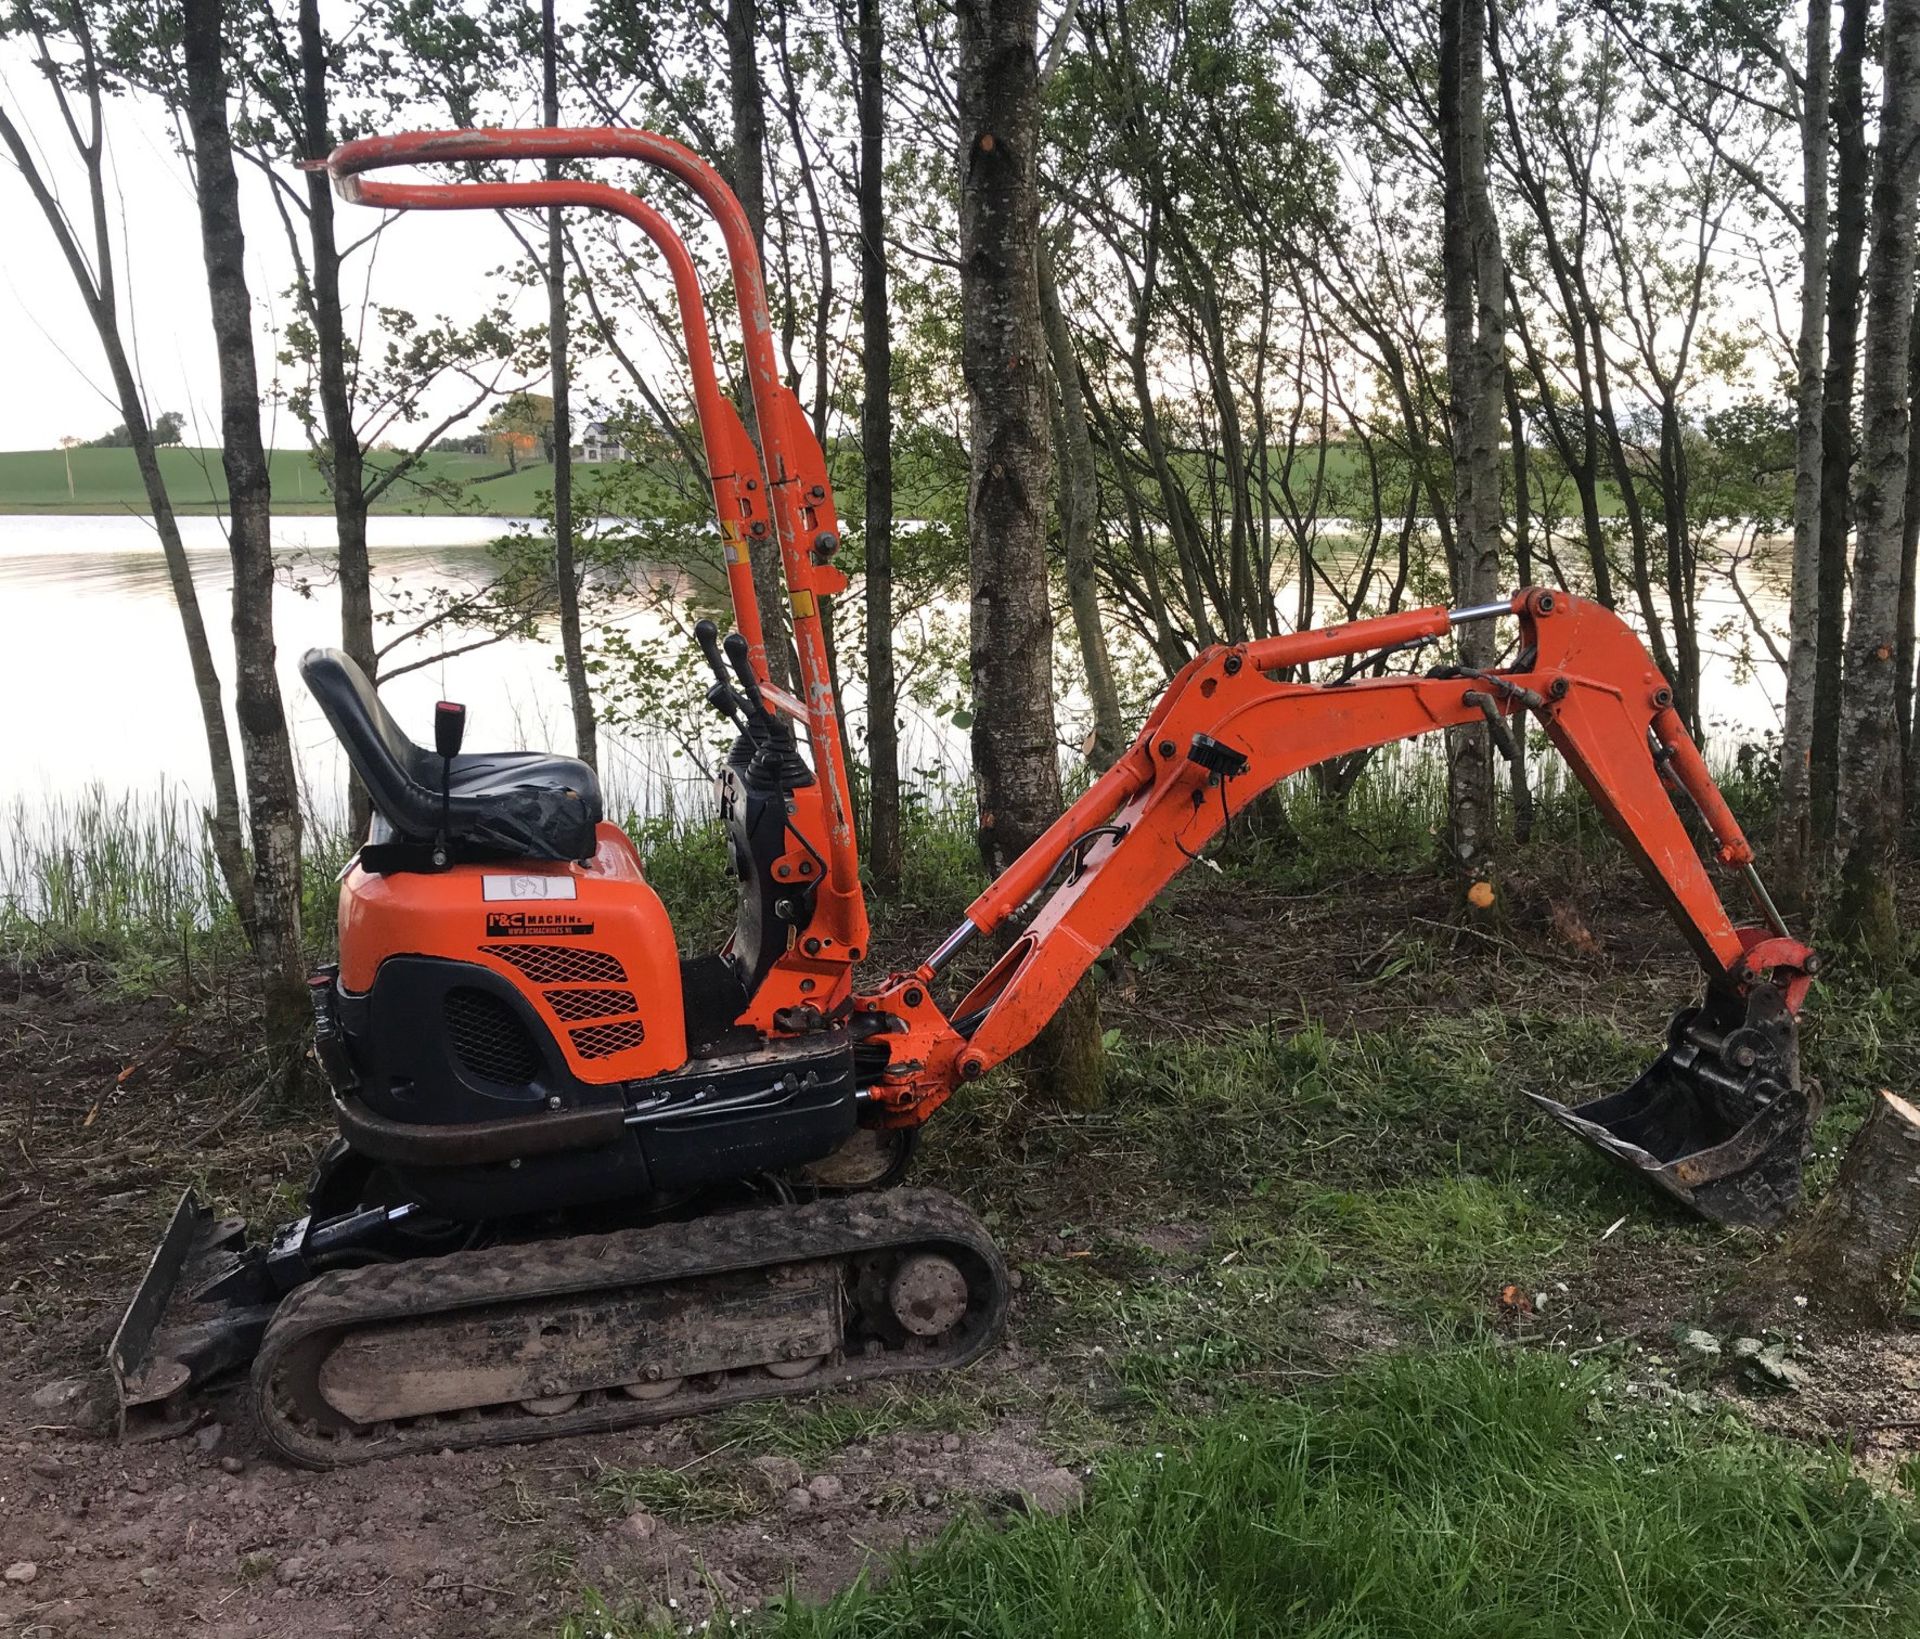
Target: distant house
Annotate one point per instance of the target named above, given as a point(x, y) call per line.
point(599, 442)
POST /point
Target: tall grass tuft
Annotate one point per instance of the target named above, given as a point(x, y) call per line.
point(106, 868)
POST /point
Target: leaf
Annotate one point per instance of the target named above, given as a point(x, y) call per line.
point(1696, 1340)
point(961, 718)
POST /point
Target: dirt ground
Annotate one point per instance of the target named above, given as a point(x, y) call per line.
point(111, 1102)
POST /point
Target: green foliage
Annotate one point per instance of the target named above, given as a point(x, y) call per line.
point(1463, 1493)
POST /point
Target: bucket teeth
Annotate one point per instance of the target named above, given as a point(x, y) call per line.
point(1720, 1120)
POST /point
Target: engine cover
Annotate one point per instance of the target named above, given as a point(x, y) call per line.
point(586, 948)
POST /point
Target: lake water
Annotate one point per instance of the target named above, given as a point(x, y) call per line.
point(99, 692)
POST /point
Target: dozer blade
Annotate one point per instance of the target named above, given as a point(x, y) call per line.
point(187, 1321)
point(1719, 1120)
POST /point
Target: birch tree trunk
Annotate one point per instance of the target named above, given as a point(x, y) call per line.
point(748, 180)
point(1476, 347)
point(1794, 834)
point(1003, 357)
point(1853, 1254)
point(273, 794)
point(1869, 806)
point(1903, 659)
point(1079, 510)
point(1851, 176)
point(95, 279)
point(566, 571)
point(876, 451)
point(344, 460)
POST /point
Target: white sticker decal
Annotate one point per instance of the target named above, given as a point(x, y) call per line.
point(527, 887)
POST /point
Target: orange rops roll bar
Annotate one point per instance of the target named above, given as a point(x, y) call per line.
point(783, 434)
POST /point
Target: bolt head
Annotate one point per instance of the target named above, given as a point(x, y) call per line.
point(1167, 748)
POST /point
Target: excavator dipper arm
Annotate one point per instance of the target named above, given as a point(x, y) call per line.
point(1226, 730)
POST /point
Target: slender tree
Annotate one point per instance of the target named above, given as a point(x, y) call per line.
point(345, 461)
point(1079, 506)
point(1003, 357)
point(1851, 174)
point(1794, 834)
point(747, 174)
point(1869, 808)
point(77, 90)
point(876, 453)
point(566, 568)
point(1474, 279)
point(273, 794)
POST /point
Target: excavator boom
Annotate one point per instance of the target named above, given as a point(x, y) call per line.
point(1717, 1122)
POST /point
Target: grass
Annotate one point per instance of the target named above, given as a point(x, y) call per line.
point(698, 1493)
point(1467, 1492)
point(109, 481)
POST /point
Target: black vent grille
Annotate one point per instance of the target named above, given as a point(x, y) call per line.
point(591, 1004)
point(598, 1041)
point(560, 964)
point(488, 1039)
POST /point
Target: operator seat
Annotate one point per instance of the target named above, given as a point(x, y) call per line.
point(499, 804)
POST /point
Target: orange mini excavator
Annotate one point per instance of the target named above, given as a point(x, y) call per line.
point(581, 1182)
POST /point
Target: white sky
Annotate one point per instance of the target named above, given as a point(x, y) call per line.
point(50, 358)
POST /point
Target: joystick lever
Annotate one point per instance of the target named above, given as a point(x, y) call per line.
point(449, 730)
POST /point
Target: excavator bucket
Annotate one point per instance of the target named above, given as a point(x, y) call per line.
point(1720, 1119)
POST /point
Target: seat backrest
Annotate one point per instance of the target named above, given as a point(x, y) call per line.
point(388, 763)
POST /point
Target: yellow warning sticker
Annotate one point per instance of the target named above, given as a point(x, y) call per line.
point(802, 605)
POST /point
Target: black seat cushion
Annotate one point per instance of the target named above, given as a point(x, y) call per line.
point(504, 804)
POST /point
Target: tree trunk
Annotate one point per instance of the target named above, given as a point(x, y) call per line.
point(1523, 572)
point(1852, 1256)
point(1794, 833)
point(1476, 347)
point(95, 282)
point(1869, 798)
point(876, 451)
point(273, 793)
point(345, 463)
point(566, 572)
point(748, 180)
point(1003, 357)
point(1836, 438)
point(1904, 647)
point(1079, 508)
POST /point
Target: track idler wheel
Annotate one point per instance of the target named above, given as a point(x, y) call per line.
point(928, 1295)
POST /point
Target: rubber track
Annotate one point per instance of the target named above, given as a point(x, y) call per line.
point(898, 1219)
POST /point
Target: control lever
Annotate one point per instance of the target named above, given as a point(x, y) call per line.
point(449, 730)
point(749, 684)
point(707, 635)
point(721, 695)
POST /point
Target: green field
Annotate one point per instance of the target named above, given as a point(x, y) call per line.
point(108, 481)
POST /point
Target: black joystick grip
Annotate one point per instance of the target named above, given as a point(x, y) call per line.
point(743, 668)
point(707, 635)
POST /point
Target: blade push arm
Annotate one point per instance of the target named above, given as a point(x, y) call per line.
point(1224, 732)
